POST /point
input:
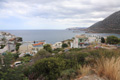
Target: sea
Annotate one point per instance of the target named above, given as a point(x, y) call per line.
point(51, 36)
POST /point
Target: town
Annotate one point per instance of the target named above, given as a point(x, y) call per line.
point(13, 44)
point(73, 54)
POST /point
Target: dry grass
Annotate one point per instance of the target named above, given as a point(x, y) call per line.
point(84, 70)
point(109, 68)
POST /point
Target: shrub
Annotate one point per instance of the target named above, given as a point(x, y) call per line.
point(64, 45)
point(50, 68)
point(102, 40)
point(112, 40)
point(68, 74)
point(17, 46)
point(84, 70)
point(47, 47)
point(109, 68)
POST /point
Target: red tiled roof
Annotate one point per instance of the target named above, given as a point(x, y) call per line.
point(12, 39)
point(40, 43)
point(81, 43)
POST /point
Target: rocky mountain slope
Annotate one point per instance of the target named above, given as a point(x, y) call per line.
point(111, 24)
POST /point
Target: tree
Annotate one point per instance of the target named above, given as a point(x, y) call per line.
point(8, 73)
point(112, 40)
point(64, 45)
point(19, 39)
point(50, 68)
point(17, 46)
point(102, 40)
point(47, 47)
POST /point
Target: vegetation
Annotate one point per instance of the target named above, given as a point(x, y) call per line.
point(65, 66)
point(9, 73)
point(19, 39)
point(47, 47)
point(2, 46)
point(17, 46)
point(102, 40)
point(111, 68)
point(64, 45)
point(112, 40)
point(50, 67)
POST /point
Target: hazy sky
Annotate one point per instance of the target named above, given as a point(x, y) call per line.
point(54, 14)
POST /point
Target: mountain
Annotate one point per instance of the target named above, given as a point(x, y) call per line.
point(111, 24)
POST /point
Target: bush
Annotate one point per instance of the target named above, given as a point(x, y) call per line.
point(51, 67)
point(109, 68)
point(57, 50)
point(112, 40)
point(47, 47)
point(68, 74)
point(8, 73)
point(17, 46)
point(64, 45)
point(102, 40)
point(2, 46)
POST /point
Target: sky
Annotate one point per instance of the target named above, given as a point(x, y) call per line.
point(54, 14)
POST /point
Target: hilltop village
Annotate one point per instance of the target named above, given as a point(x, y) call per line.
point(69, 59)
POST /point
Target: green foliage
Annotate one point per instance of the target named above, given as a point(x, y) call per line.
point(102, 40)
point(2, 46)
point(25, 59)
point(57, 50)
point(17, 46)
point(16, 56)
point(112, 40)
point(47, 47)
point(42, 54)
point(68, 74)
point(19, 39)
point(64, 45)
point(28, 71)
point(49, 67)
point(45, 66)
point(8, 73)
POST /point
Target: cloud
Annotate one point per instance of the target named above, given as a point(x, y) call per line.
point(52, 14)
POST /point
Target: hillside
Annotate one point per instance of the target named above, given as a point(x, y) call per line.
point(111, 24)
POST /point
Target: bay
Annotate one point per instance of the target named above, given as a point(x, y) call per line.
point(50, 36)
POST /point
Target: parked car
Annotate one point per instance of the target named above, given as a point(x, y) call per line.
point(17, 63)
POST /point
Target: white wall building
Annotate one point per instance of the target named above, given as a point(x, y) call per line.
point(57, 45)
point(82, 41)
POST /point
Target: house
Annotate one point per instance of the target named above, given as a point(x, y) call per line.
point(94, 39)
point(37, 46)
point(57, 45)
point(80, 41)
point(31, 48)
point(83, 41)
point(8, 48)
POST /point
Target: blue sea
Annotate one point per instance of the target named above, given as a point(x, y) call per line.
point(50, 36)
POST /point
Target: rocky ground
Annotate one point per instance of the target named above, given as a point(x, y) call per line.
point(91, 77)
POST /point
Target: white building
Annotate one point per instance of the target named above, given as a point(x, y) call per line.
point(31, 48)
point(82, 41)
point(8, 48)
point(57, 45)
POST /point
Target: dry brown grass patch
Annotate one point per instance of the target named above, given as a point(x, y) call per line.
point(109, 68)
